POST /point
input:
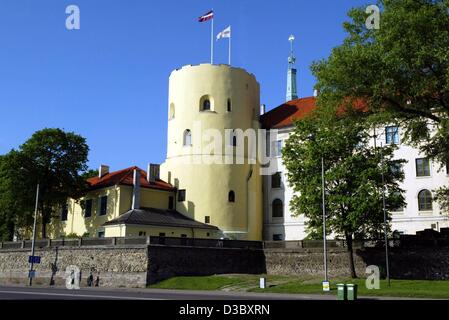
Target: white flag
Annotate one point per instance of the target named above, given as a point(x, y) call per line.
point(226, 33)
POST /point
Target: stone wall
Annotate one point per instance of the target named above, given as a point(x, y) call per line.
point(116, 266)
point(169, 261)
point(425, 263)
point(139, 265)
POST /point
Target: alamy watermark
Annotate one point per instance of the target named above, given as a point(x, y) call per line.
point(373, 20)
point(73, 21)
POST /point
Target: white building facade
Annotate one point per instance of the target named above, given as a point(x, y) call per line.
point(422, 178)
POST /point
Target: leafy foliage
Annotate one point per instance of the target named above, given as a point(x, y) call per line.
point(353, 178)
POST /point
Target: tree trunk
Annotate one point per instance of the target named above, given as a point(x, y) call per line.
point(350, 254)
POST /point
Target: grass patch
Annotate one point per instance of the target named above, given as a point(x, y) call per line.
point(291, 284)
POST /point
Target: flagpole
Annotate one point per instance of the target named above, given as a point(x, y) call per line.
point(212, 42)
point(230, 36)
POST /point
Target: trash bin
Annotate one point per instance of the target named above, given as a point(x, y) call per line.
point(341, 291)
point(351, 291)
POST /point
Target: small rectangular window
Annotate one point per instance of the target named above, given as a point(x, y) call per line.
point(392, 135)
point(100, 234)
point(276, 180)
point(278, 148)
point(207, 219)
point(422, 167)
point(103, 205)
point(170, 203)
point(64, 212)
point(88, 208)
point(181, 195)
point(142, 233)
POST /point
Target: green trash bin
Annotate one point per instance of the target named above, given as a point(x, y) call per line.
point(341, 291)
point(351, 291)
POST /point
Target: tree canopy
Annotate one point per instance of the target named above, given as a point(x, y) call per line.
point(353, 178)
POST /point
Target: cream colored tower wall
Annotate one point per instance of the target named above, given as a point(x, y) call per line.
point(207, 185)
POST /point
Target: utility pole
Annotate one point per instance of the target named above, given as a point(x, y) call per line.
point(30, 275)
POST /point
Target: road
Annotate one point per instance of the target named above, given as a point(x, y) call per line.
point(46, 293)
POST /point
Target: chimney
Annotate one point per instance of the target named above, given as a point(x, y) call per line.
point(104, 170)
point(136, 190)
point(153, 172)
point(262, 109)
point(315, 93)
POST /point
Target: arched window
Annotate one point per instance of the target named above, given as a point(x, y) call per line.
point(187, 140)
point(206, 103)
point(231, 196)
point(229, 106)
point(278, 208)
point(171, 113)
point(425, 200)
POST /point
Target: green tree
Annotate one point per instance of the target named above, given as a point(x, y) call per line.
point(400, 71)
point(353, 176)
point(56, 160)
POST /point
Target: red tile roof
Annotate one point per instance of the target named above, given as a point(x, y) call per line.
point(126, 177)
point(285, 114)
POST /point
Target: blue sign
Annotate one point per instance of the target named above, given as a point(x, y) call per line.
point(34, 259)
point(32, 274)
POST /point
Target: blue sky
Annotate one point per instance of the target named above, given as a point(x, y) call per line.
point(108, 81)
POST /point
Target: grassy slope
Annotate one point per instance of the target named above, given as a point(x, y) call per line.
point(285, 284)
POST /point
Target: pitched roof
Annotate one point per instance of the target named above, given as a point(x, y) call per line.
point(126, 177)
point(158, 217)
point(285, 114)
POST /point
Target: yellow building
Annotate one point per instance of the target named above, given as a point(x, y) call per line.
point(129, 202)
point(205, 102)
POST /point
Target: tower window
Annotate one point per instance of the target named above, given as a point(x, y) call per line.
point(171, 113)
point(425, 200)
point(231, 196)
point(229, 106)
point(187, 139)
point(278, 208)
point(276, 180)
point(206, 105)
point(207, 219)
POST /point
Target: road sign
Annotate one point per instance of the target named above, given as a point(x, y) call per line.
point(34, 259)
point(32, 274)
point(326, 286)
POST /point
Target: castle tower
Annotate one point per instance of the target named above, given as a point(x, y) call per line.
point(224, 193)
point(291, 74)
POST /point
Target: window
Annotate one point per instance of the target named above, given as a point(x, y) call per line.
point(447, 168)
point(276, 180)
point(278, 148)
point(181, 195)
point(100, 234)
point(231, 196)
point(142, 233)
point(88, 208)
point(278, 208)
point(207, 219)
point(64, 212)
point(170, 203)
point(229, 106)
point(187, 138)
point(103, 205)
point(422, 167)
point(392, 135)
point(206, 105)
point(425, 200)
point(162, 238)
point(278, 237)
point(171, 113)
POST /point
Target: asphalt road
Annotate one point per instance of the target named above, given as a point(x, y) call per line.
point(47, 293)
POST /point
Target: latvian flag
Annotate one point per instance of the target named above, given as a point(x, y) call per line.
point(207, 16)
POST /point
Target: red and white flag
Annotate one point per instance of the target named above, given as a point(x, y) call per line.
point(206, 17)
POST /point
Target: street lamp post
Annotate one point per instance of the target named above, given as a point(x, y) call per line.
point(387, 264)
point(324, 221)
point(30, 275)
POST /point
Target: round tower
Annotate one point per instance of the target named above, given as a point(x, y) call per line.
point(218, 178)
